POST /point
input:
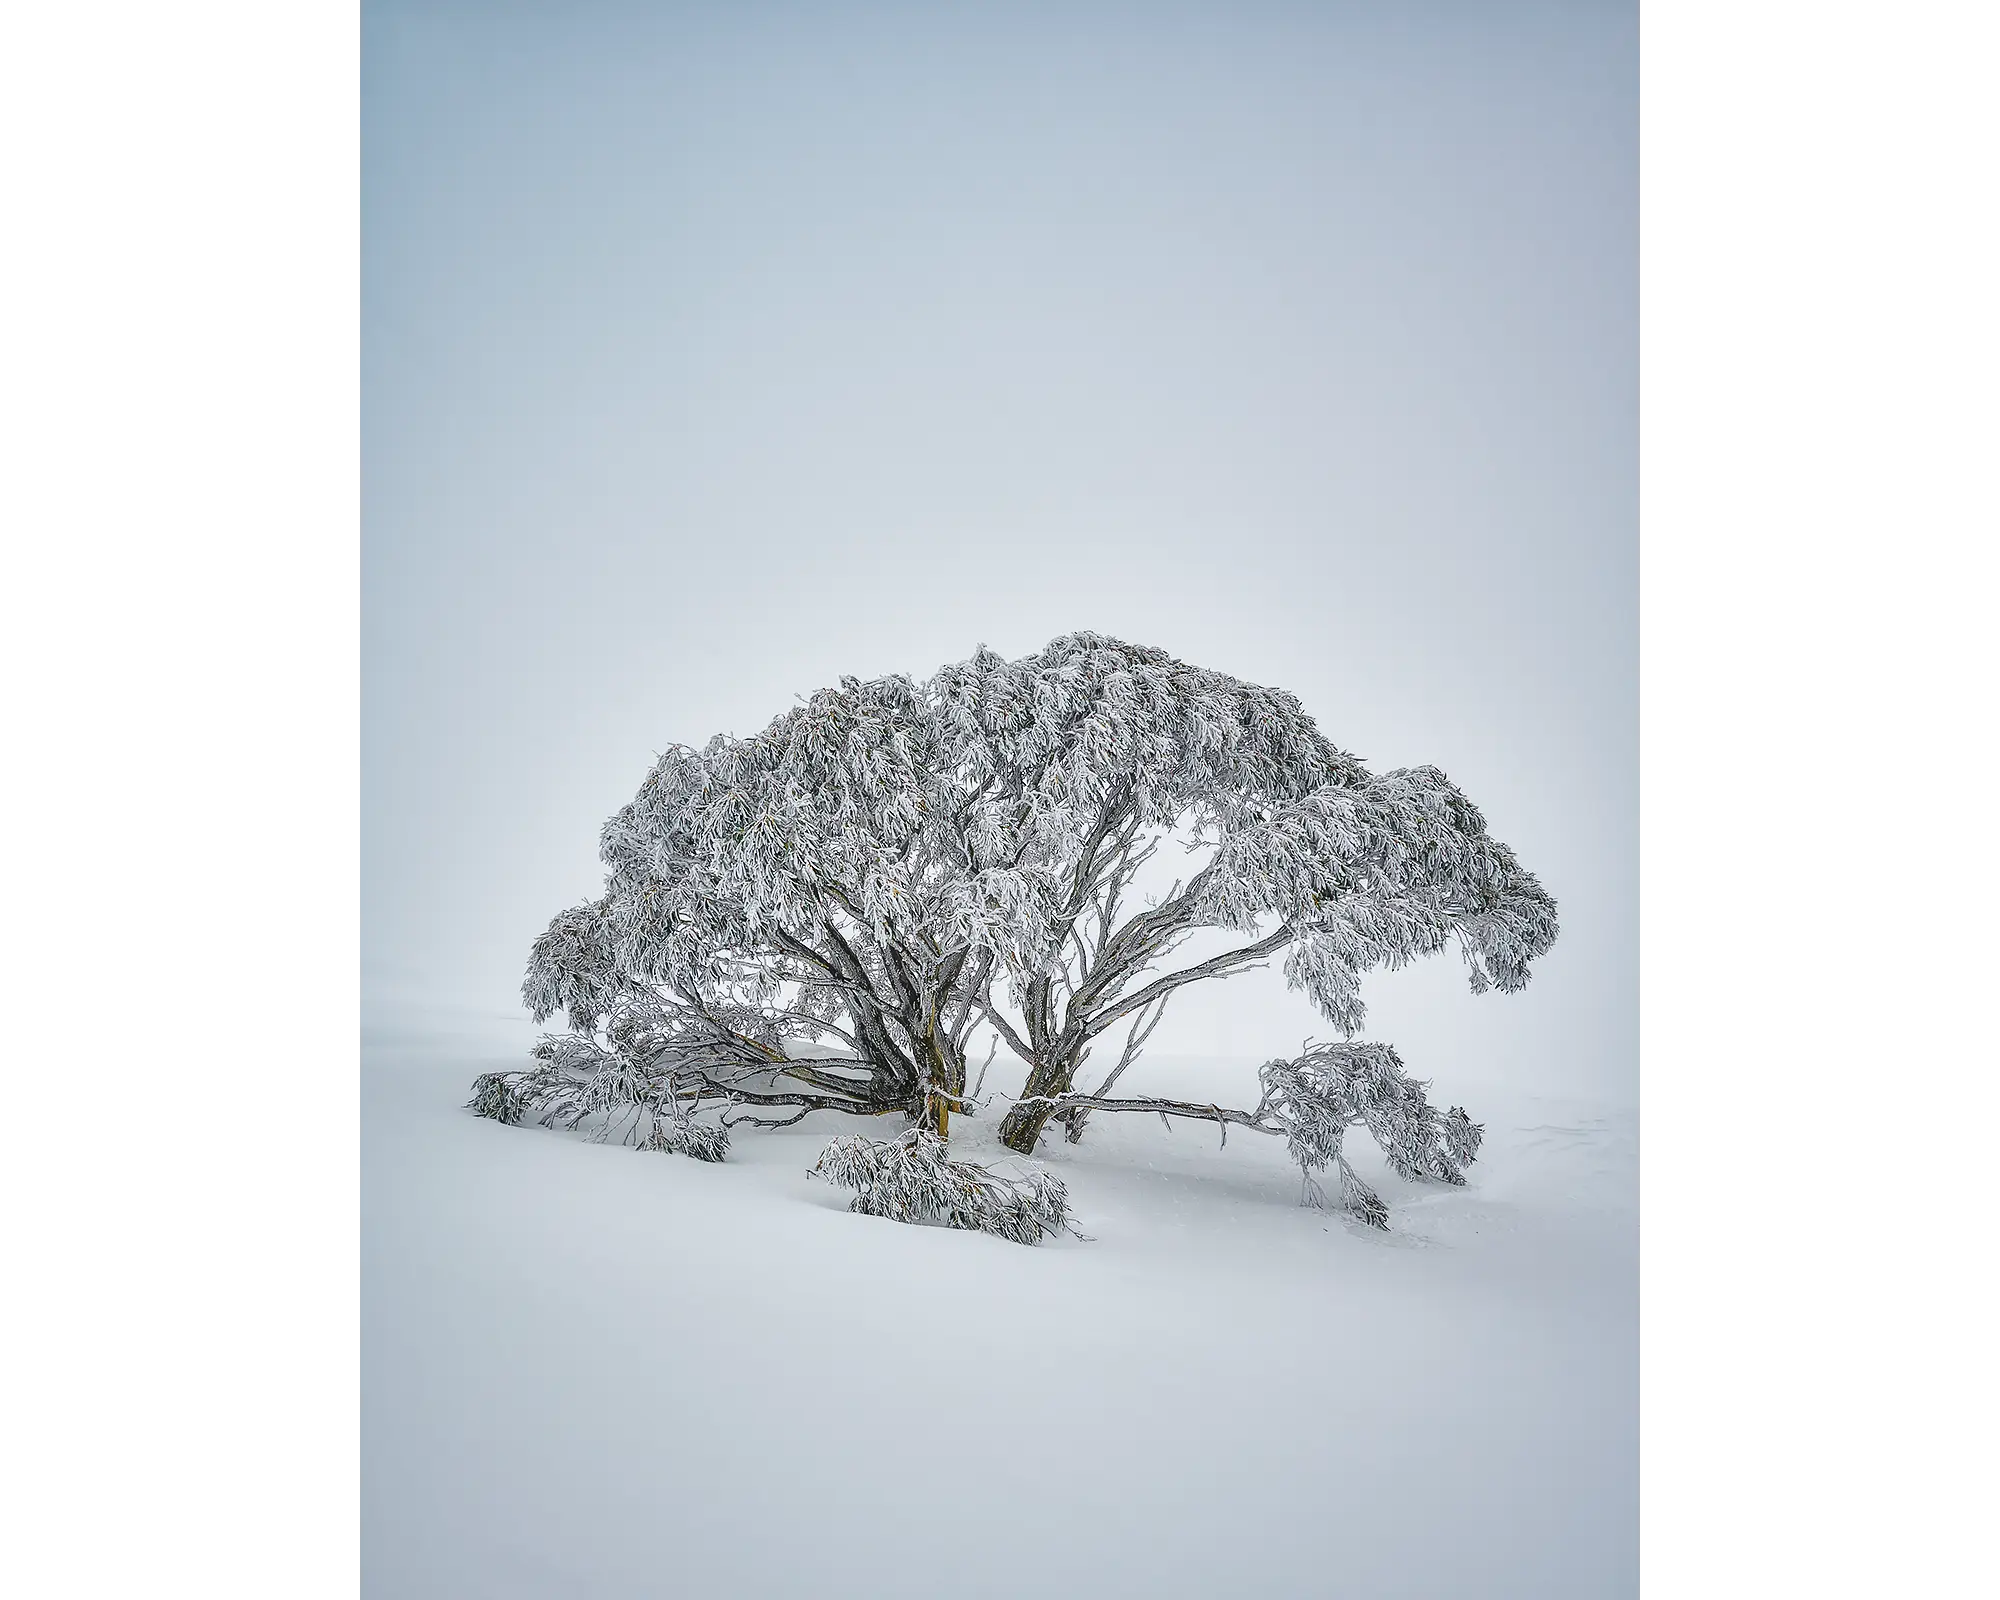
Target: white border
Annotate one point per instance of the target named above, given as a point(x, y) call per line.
point(182, 495)
point(1818, 277)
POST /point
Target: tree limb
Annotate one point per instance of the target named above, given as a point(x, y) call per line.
point(1255, 1120)
point(1215, 966)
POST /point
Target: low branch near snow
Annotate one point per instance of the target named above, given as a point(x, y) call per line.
point(649, 1095)
point(1142, 1028)
point(578, 1082)
point(1313, 1101)
point(1220, 1115)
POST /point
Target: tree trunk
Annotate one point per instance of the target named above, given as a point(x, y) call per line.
point(1024, 1123)
point(945, 1069)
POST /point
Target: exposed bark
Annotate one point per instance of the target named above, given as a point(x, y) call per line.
point(1048, 1078)
point(1222, 1116)
point(1074, 1118)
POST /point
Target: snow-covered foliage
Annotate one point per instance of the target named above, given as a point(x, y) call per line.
point(493, 1095)
point(911, 1179)
point(1318, 1097)
point(821, 916)
point(578, 1081)
point(704, 1141)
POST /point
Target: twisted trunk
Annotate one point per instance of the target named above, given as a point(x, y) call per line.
point(1051, 1075)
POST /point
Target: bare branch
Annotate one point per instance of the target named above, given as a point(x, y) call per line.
point(1006, 1031)
point(1163, 1107)
point(1135, 1040)
point(1216, 966)
point(991, 1050)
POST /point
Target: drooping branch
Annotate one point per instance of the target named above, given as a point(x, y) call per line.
point(1313, 1102)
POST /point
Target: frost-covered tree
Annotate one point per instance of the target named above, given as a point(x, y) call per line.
point(825, 915)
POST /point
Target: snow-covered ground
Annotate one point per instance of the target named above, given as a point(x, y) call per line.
point(588, 1371)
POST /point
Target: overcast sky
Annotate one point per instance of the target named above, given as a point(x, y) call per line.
point(711, 353)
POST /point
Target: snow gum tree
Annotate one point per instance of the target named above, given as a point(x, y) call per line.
point(826, 915)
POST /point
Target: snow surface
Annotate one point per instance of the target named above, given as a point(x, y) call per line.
point(590, 1371)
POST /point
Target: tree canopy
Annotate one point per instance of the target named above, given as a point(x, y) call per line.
point(823, 915)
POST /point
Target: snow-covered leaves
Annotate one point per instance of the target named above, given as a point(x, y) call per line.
point(1326, 1091)
point(1376, 877)
point(703, 1141)
point(911, 1179)
point(493, 1095)
point(579, 1083)
point(940, 818)
point(572, 968)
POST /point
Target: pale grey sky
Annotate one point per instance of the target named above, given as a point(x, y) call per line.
point(712, 352)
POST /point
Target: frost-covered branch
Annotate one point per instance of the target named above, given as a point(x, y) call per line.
point(1159, 1105)
point(1312, 1101)
point(1215, 967)
point(1143, 1024)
